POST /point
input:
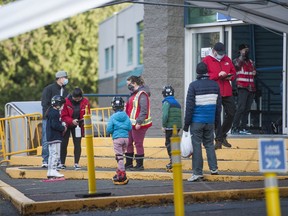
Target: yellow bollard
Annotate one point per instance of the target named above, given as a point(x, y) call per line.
point(90, 152)
point(177, 174)
point(90, 158)
point(272, 195)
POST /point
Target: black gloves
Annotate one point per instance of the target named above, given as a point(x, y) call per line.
point(185, 128)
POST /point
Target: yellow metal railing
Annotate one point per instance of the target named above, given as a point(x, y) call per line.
point(100, 117)
point(20, 135)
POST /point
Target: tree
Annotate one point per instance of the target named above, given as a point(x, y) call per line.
point(29, 62)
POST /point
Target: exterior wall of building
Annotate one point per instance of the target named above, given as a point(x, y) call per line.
point(163, 56)
point(115, 32)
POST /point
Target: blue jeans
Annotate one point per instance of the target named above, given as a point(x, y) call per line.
point(202, 133)
point(45, 148)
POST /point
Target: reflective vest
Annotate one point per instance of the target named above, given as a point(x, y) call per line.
point(245, 77)
point(133, 110)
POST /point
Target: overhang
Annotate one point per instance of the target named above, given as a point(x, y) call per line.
point(271, 14)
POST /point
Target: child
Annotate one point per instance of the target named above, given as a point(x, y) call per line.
point(119, 126)
point(171, 115)
point(55, 130)
point(203, 109)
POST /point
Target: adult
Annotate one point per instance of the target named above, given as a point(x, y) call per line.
point(222, 70)
point(55, 88)
point(203, 109)
point(72, 114)
point(245, 88)
point(138, 110)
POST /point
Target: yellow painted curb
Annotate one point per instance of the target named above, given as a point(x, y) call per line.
point(27, 206)
point(26, 173)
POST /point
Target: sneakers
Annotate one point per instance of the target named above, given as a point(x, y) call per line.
point(54, 174)
point(77, 167)
point(61, 166)
point(195, 178)
point(244, 132)
point(44, 165)
point(214, 172)
point(120, 178)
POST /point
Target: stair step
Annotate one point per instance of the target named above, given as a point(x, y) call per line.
point(222, 154)
point(149, 163)
point(28, 172)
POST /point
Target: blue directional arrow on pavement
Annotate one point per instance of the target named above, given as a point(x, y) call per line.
point(272, 155)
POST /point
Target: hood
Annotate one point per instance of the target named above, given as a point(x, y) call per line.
point(120, 116)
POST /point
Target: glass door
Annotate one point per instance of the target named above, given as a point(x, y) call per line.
point(198, 44)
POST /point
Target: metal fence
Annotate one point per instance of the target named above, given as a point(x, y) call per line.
point(22, 134)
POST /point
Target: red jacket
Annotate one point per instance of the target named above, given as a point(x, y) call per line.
point(214, 68)
point(68, 109)
point(245, 74)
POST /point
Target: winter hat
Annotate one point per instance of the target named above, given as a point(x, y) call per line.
point(219, 48)
point(201, 68)
point(243, 46)
point(60, 74)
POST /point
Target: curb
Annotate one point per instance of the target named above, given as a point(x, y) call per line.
point(23, 173)
point(27, 206)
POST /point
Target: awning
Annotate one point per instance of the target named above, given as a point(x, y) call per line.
point(272, 14)
point(26, 15)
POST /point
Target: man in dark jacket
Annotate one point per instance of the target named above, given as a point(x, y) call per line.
point(203, 108)
point(56, 88)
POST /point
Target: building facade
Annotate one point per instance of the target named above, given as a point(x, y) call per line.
point(168, 42)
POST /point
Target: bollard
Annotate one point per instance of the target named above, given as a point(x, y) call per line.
point(90, 158)
point(177, 174)
point(272, 195)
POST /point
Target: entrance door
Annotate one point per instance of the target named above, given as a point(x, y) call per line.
point(198, 43)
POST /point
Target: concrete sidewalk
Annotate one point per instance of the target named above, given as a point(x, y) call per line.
point(32, 196)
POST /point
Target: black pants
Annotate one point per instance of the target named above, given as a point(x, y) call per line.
point(64, 145)
point(168, 135)
point(245, 100)
point(229, 112)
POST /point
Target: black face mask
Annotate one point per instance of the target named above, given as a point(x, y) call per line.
point(247, 55)
point(131, 87)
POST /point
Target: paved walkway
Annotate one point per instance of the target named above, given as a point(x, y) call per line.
point(34, 196)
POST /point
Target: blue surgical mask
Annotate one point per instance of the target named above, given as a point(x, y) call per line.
point(65, 82)
point(219, 57)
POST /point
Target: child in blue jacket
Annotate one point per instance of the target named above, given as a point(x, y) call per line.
point(119, 126)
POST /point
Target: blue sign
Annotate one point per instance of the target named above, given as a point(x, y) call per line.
point(272, 155)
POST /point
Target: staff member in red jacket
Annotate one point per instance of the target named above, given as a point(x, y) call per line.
point(245, 88)
point(72, 114)
point(138, 110)
point(221, 69)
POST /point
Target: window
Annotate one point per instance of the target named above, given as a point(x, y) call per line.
point(112, 57)
point(130, 51)
point(140, 38)
point(107, 59)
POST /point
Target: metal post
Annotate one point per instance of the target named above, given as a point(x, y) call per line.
point(90, 158)
point(90, 152)
point(272, 195)
point(177, 174)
